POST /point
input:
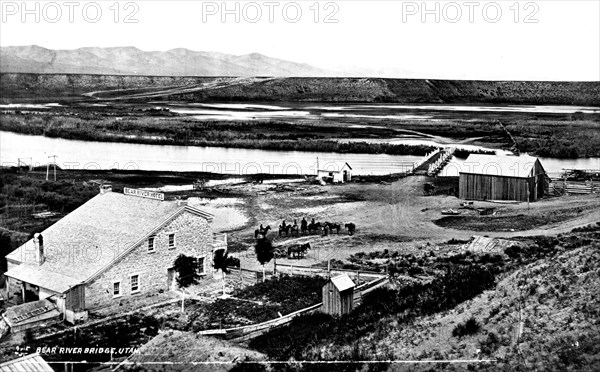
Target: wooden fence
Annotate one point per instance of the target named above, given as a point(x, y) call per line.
point(362, 290)
point(562, 187)
point(247, 276)
point(356, 275)
point(239, 334)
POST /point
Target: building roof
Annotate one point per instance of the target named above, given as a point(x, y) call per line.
point(337, 167)
point(38, 275)
point(342, 282)
point(92, 237)
point(28, 363)
point(30, 311)
point(500, 165)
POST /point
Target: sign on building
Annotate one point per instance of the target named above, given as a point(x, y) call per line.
point(144, 193)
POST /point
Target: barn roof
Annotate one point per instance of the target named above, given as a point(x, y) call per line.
point(342, 282)
point(92, 237)
point(28, 363)
point(500, 165)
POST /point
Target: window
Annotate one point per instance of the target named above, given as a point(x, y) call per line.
point(135, 283)
point(201, 270)
point(151, 244)
point(172, 240)
point(116, 289)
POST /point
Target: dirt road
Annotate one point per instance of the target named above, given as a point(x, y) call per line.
point(398, 217)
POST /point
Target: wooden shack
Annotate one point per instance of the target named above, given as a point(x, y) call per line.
point(338, 295)
point(335, 173)
point(491, 177)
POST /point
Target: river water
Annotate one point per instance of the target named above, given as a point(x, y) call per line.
point(75, 154)
point(105, 155)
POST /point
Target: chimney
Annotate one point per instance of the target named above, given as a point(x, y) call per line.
point(105, 188)
point(38, 241)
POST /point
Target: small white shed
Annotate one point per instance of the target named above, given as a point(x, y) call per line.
point(336, 173)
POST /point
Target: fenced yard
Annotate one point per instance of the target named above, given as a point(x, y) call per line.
point(366, 282)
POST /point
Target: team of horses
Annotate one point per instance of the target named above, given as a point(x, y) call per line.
point(305, 228)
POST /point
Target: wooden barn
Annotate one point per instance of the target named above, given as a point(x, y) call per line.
point(491, 177)
point(338, 295)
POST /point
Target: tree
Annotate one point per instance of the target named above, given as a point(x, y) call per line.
point(221, 262)
point(264, 252)
point(187, 268)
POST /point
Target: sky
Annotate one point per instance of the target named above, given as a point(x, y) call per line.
point(501, 40)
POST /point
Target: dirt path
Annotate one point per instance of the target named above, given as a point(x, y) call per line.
point(173, 90)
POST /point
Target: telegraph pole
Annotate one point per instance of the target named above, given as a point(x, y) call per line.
point(19, 161)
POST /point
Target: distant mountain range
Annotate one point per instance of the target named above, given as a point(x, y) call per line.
point(133, 61)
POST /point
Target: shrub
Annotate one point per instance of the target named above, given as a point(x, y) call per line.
point(490, 344)
point(470, 327)
point(187, 268)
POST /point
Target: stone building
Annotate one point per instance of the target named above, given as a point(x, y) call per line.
point(114, 247)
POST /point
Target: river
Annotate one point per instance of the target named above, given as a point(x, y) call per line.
point(76, 154)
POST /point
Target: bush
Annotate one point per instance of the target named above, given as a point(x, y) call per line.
point(187, 268)
point(470, 327)
point(264, 251)
point(490, 344)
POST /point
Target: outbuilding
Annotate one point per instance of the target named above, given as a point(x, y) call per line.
point(336, 173)
point(338, 295)
point(506, 178)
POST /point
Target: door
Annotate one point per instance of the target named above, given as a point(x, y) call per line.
point(171, 282)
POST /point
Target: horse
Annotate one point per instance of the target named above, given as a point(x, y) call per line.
point(334, 226)
point(295, 230)
point(285, 229)
point(351, 228)
point(303, 226)
point(298, 250)
point(262, 232)
point(316, 226)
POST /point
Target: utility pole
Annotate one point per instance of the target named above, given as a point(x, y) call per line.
point(19, 161)
point(317, 166)
point(48, 166)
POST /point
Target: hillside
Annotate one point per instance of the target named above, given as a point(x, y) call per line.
point(543, 316)
point(183, 351)
point(67, 87)
point(133, 61)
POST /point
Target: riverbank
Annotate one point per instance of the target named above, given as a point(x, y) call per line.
point(187, 132)
point(341, 129)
